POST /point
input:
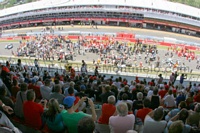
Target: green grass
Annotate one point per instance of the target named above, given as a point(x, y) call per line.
point(195, 3)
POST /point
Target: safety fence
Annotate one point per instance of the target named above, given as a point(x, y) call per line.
point(145, 72)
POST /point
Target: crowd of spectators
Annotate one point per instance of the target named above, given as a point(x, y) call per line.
point(61, 103)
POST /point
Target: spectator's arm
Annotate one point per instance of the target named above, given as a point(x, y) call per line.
point(7, 109)
point(79, 103)
point(94, 116)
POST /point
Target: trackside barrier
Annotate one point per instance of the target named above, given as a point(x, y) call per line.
point(60, 67)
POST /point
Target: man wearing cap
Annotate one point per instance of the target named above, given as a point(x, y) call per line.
point(70, 117)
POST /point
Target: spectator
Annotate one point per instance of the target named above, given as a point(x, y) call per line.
point(141, 113)
point(173, 112)
point(176, 127)
point(86, 125)
point(70, 117)
point(53, 118)
point(122, 122)
point(155, 99)
point(125, 100)
point(194, 117)
point(182, 115)
point(182, 77)
point(4, 98)
point(15, 88)
point(71, 84)
point(57, 94)
point(169, 101)
point(20, 99)
point(108, 109)
point(154, 119)
point(35, 87)
point(33, 111)
point(45, 90)
point(126, 91)
point(180, 97)
point(4, 121)
point(106, 93)
point(138, 104)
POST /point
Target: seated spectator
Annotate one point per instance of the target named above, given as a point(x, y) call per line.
point(177, 127)
point(173, 112)
point(155, 99)
point(4, 98)
point(194, 117)
point(70, 117)
point(108, 109)
point(45, 90)
point(36, 88)
point(180, 97)
point(122, 122)
point(57, 94)
point(163, 90)
point(154, 119)
point(138, 104)
point(125, 100)
point(20, 99)
point(106, 93)
point(15, 88)
point(169, 101)
point(141, 113)
point(71, 84)
point(126, 91)
point(4, 121)
point(33, 111)
point(86, 125)
point(182, 116)
point(53, 118)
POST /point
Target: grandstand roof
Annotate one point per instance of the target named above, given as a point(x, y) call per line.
point(154, 4)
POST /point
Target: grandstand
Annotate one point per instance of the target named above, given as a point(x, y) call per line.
point(127, 82)
point(152, 14)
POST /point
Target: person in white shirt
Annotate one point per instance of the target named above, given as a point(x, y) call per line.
point(122, 122)
point(153, 122)
point(169, 100)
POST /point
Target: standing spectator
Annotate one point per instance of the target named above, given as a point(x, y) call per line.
point(160, 80)
point(122, 122)
point(171, 78)
point(70, 117)
point(175, 77)
point(153, 122)
point(45, 90)
point(36, 64)
point(20, 99)
point(72, 72)
point(182, 77)
point(33, 111)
